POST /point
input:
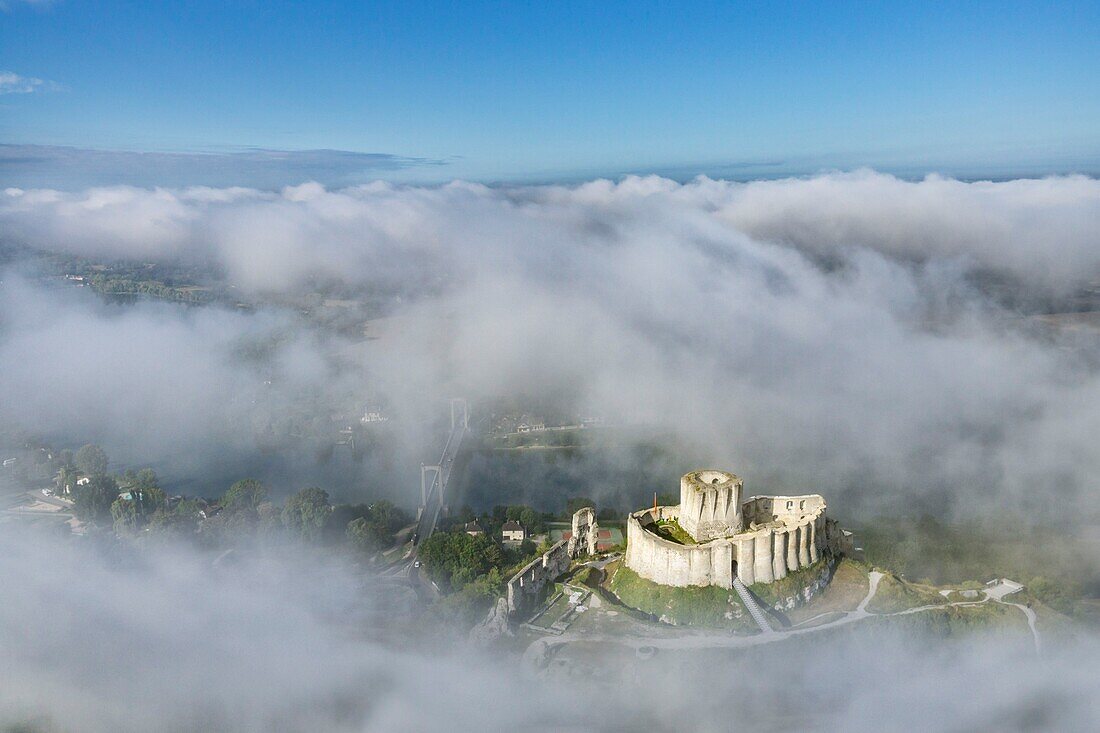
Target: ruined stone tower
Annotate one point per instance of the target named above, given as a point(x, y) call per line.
point(710, 504)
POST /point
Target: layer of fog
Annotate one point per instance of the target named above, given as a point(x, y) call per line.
point(829, 334)
point(95, 640)
point(813, 334)
point(204, 395)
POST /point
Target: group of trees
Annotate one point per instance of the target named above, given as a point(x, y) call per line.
point(146, 498)
point(246, 513)
point(534, 522)
point(134, 504)
point(455, 559)
point(306, 513)
point(606, 513)
point(474, 568)
point(92, 501)
point(930, 549)
point(127, 502)
point(372, 528)
point(242, 516)
point(92, 460)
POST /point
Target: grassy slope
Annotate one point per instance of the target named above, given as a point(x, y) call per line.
point(1058, 567)
point(848, 587)
point(690, 606)
point(895, 595)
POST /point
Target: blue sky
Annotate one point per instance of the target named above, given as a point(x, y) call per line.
point(560, 90)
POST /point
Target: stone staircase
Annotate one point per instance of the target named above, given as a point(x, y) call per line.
point(753, 607)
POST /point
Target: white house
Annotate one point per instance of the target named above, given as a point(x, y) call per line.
point(513, 531)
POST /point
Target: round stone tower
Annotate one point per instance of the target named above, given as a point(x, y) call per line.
point(710, 504)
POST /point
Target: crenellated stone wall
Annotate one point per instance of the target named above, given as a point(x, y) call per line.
point(524, 590)
point(525, 587)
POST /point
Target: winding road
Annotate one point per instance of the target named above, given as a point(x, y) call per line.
point(711, 640)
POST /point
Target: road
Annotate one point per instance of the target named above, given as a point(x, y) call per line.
point(35, 502)
point(713, 640)
point(1031, 619)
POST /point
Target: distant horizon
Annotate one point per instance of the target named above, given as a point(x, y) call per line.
point(71, 168)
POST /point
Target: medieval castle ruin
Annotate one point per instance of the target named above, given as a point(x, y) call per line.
point(525, 587)
point(711, 537)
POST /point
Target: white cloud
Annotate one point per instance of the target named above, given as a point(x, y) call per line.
point(816, 332)
point(162, 640)
point(12, 83)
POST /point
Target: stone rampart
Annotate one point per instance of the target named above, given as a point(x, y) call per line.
point(670, 563)
point(525, 587)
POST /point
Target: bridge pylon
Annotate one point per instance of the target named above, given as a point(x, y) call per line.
point(424, 484)
point(460, 413)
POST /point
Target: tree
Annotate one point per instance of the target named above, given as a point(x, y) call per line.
point(306, 512)
point(469, 605)
point(463, 515)
point(366, 536)
point(245, 494)
point(239, 520)
point(146, 479)
point(66, 479)
point(92, 460)
point(145, 490)
point(371, 527)
point(530, 519)
point(269, 523)
point(143, 498)
point(387, 515)
point(92, 501)
point(179, 521)
point(577, 502)
point(127, 516)
point(609, 514)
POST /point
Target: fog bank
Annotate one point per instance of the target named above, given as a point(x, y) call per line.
point(828, 334)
